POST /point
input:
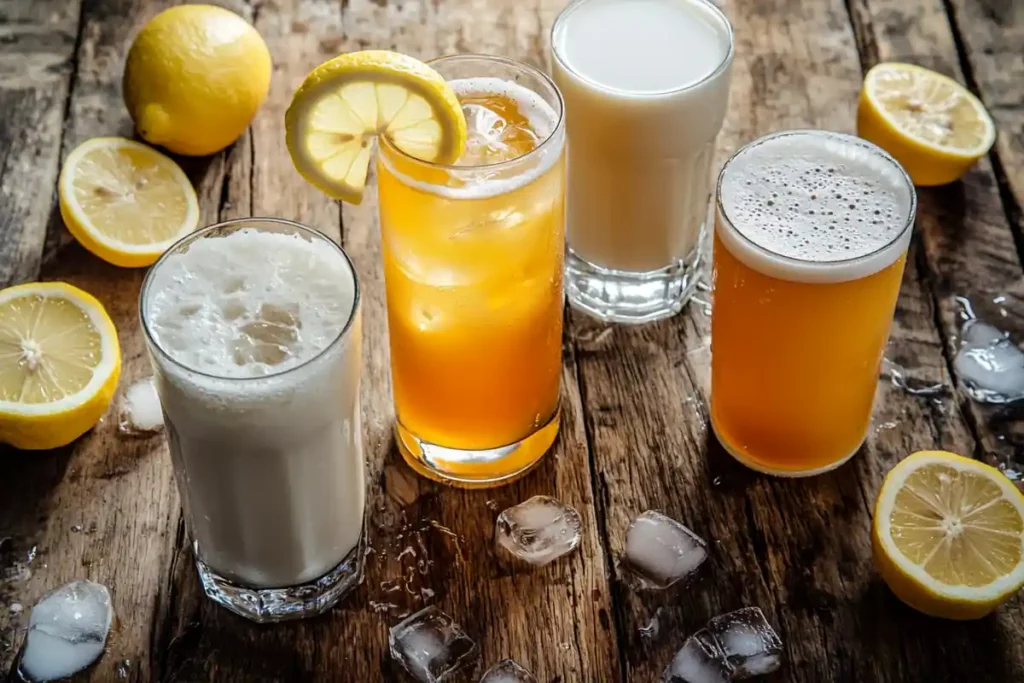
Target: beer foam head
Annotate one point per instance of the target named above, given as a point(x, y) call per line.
point(250, 303)
point(815, 206)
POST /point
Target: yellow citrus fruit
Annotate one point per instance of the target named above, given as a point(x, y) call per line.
point(930, 123)
point(344, 103)
point(195, 77)
point(948, 535)
point(124, 201)
point(59, 364)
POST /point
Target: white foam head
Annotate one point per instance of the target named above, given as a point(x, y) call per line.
point(815, 206)
point(252, 321)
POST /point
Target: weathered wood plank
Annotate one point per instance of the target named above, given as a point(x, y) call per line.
point(799, 549)
point(451, 563)
point(104, 508)
point(990, 34)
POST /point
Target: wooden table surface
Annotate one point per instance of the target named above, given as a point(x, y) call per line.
point(634, 432)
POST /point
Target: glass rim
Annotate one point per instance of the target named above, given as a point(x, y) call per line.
point(383, 141)
point(722, 66)
point(238, 223)
point(835, 135)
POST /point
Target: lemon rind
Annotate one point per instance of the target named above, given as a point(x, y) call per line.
point(110, 347)
point(957, 152)
point(66, 187)
point(883, 508)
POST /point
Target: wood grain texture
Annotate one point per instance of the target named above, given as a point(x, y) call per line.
point(635, 419)
point(798, 549)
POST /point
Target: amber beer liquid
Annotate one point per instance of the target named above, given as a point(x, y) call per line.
point(473, 271)
point(811, 237)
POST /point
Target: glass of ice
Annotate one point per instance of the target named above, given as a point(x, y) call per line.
point(473, 268)
point(253, 330)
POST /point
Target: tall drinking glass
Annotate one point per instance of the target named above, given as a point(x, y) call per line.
point(473, 268)
point(810, 243)
point(253, 330)
point(646, 84)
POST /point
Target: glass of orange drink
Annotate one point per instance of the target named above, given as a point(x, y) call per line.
point(811, 237)
point(473, 258)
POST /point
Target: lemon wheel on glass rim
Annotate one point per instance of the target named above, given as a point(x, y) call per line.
point(345, 103)
point(948, 535)
point(59, 364)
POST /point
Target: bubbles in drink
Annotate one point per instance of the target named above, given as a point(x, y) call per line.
point(507, 671)
point(660, 551)
point(819, 197)
point(217, 313)
point(140, 413)
point(538, 531)
point(990, 366)
point(67, 631)
point(431, 646)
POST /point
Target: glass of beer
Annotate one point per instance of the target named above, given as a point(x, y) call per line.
point(473, 256)
point(811, 238)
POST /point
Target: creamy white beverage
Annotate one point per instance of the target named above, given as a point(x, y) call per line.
point(255, 340)
point(646, 85)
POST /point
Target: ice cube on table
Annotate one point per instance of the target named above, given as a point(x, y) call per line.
point(508, 671)
point(67, 631)
point(751, 645)
point(989, 364)
point(700, 660)
point(140, 411)
point(431, 646)
point(660, 551)
point(538, 530)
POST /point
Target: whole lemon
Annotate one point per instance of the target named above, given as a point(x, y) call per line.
point(195, 77)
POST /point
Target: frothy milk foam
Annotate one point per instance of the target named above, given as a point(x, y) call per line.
point(814, 206)
point(261, 404)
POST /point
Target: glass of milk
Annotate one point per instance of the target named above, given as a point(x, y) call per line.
point(253, 329)
point(645, 83)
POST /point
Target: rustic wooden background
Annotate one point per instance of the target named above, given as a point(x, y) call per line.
point(635, 426)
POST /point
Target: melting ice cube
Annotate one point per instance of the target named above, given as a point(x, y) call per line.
point(430, 645)
point(700, 660)
point(750, 644)
point(140, 409)
point(508, 671)
point(538, 530)
point(990, 366)
point(67, 631)
point(660, 551)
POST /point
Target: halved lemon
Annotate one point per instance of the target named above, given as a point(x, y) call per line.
point(948, 535)
point(59, 364)
point(346, 102)
point(124, 201)
point(930, 123)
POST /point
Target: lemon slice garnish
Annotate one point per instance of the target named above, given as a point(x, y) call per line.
point(346, 102)
point(124, 201)
point(948, 535)
point(930, 123)
point(59, 364)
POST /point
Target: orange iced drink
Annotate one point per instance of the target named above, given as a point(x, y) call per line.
point(811, 239)
point(473, 270)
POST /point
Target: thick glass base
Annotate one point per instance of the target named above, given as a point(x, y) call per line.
point(792, 474)
point(269, 605)
point(620, 296)
point(484, 468)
